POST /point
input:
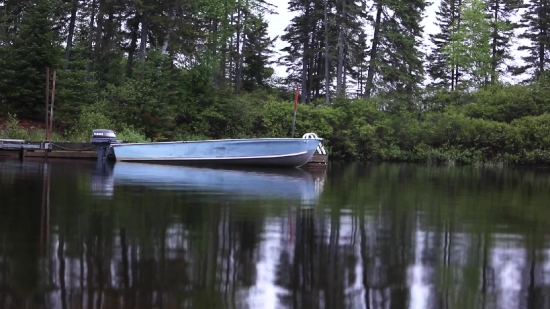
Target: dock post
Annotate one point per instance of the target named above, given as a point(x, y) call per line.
point(46, 129)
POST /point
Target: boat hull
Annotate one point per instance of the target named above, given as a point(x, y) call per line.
point(291, 152)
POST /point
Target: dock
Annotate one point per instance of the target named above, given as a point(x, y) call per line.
point(319, 159)
point(47, 149)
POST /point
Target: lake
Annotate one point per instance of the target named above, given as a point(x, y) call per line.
point(128, 235)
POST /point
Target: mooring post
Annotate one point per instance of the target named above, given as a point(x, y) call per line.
point(50, 124)
point(47, 121)
point(22, 154)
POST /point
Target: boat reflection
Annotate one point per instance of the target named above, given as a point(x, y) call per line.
point(101, 180)
point(241, 183)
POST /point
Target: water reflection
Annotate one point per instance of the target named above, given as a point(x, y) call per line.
point(238, 183)
point(384, 236)
point(102, 180)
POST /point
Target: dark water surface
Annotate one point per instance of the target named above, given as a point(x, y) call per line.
point(73, 235)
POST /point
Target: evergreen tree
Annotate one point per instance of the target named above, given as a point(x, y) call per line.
point(442, 73)
point(303, 57)
point(405, 37)
point(470, 47)
point(323, 50)
point(34, 46)
point(257, 52)
point(500, 14)
point(536, 22)
point(358, 62)
point(395, 58)
point(350, 18)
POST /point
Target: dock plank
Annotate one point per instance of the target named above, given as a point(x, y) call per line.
point(51, 154)
point(7, 140)
point(17, 146)
point(319, 158)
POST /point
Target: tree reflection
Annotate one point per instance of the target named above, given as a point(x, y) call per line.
point(400, 236)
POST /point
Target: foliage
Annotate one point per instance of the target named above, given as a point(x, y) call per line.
point(442, 71)
point(90, 118)
point(507, 124)
point(13, 130)
point(131, 135)
point(469, 47)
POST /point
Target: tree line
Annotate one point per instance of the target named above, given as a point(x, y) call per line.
point(188, 69)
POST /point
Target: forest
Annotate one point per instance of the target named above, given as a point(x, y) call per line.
point(372, 82)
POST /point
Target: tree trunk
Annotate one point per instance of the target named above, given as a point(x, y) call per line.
point(166, 42)
point(494, 43)
point(70, 36)
point(543, 28)
point(241, 57)
point(133, 45)
point(230, 66)
point(98, 32)
point(305, 58)
point(373, 52)
point(238, 67)
point(327, 83)
point(340, 67)
point(143, 40)
point(91, 36)
point(214, 33)
point(456, 68)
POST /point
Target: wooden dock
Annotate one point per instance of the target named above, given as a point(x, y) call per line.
point(46, 149)
point(320, 158)
point(318, 161)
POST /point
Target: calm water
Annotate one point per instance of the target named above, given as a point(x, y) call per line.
point(75, 235)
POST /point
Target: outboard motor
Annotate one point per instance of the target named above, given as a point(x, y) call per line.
point(102, 139)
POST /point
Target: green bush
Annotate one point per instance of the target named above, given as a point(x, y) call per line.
point(91, 117)
point(498, 124)
point(13, 130)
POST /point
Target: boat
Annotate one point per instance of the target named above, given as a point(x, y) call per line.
point(286, 152)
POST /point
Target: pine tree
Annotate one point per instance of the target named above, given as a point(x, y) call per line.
point(406, 39)
point(470, 47)
point(350, 18)
point(257, 52)
point(395, 63)
point(536, 22)
point(302, 35)
point(500, 14)
point(34, 46)
point(358, 62)
point(322, 50)
point(438, 67)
